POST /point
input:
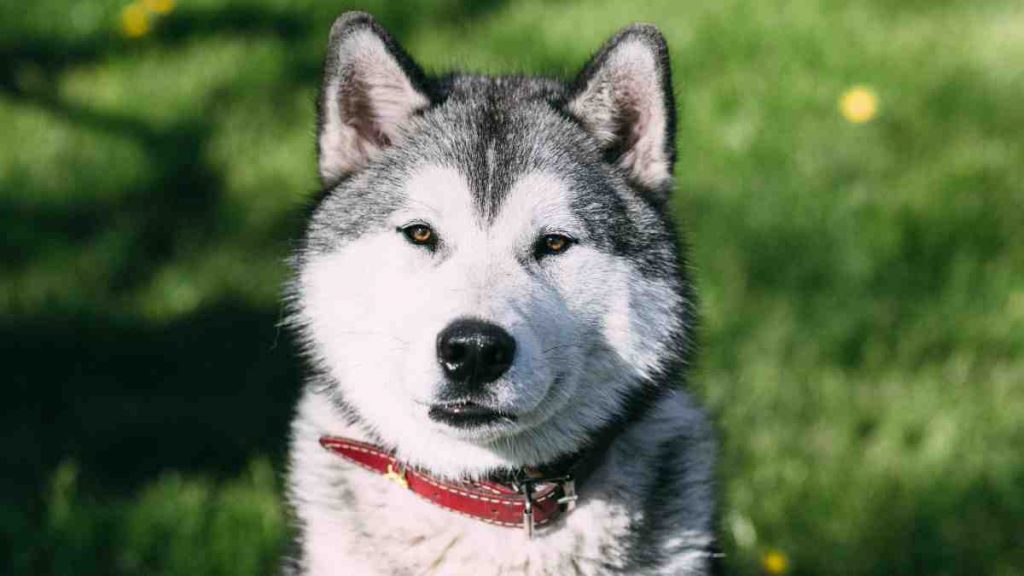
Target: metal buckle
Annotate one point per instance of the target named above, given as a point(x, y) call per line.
point(525, 487)
point(528, 509)
point(569, 496)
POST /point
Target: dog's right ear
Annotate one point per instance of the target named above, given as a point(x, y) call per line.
point(370, 90)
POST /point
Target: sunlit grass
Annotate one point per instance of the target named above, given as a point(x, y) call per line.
point(177, 525)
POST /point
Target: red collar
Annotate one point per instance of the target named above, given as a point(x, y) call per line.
point(530, 503)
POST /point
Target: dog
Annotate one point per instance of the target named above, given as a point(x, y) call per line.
point(492, 300)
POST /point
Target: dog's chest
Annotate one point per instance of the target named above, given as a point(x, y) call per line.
point(394, 532)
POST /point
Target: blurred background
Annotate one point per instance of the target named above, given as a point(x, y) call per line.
point(851, 177)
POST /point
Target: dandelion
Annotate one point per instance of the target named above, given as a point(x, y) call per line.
point(135, 21)
point(159, 6)
point(859, 104)
point(775, 562)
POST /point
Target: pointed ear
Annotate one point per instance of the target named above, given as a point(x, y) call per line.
point(623, 97)
point(370, 90)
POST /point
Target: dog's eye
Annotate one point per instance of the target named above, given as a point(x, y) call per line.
point(552, 244)
point(421, 235)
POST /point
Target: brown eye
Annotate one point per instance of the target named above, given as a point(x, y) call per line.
point(420, 234)
point(552, 244)
point(556, 243)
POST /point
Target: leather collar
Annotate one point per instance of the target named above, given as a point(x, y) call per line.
point(529, 499)
point(528, 502)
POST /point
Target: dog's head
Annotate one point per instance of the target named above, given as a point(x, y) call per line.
point(490, 276)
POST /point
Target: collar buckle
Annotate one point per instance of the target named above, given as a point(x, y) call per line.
point(528, 510)
point(526, 485)
point(569, 496)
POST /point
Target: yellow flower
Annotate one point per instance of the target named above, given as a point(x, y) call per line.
point(859, 104)
point(134, 21)
point(775, 562)
point(159, 6)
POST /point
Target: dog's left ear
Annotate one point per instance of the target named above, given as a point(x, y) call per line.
point(623, 97)
point(371, 89)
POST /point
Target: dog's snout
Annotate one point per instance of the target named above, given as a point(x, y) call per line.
point(473, 353)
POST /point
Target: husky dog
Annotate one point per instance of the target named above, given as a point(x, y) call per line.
point(490, 291)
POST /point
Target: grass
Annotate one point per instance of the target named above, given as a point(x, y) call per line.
point(862, 284)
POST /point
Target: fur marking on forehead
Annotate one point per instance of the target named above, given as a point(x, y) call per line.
point(534, 200)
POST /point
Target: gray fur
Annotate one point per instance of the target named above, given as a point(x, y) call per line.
point(649, 507)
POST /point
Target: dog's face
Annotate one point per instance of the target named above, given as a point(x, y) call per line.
point(490, 277)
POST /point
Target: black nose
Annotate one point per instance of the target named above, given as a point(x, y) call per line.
point(473, 353)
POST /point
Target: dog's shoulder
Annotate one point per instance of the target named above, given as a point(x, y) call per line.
point(672, 452)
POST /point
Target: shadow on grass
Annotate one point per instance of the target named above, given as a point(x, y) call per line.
point(123, 403)
point(126, 401)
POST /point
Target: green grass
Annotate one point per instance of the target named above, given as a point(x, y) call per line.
point(862, 285)
point(174, 525)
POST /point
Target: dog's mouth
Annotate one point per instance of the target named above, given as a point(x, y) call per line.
point(468, 414)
